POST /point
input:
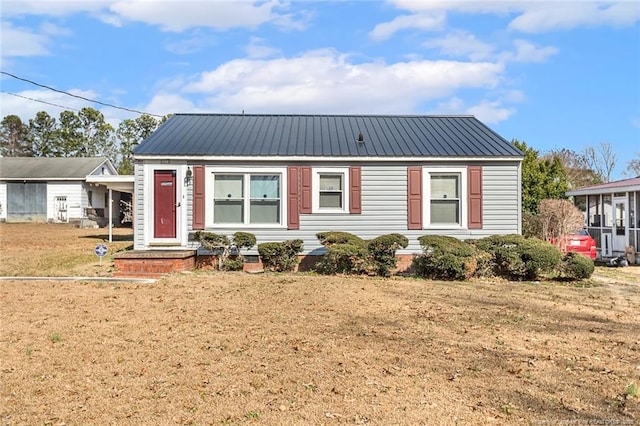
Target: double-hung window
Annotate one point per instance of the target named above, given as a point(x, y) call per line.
point(332, 194)
point(446, 194)
point(247, 199)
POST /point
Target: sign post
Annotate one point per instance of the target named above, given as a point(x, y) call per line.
point(101, 251)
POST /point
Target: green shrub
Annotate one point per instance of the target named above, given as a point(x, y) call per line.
point(244, 240)
point(280, 256)
point(330, 238)
point(576, 266)
point(519, 258)
point(212, 242)
point(235, 263)
point(445, 258)
point(345, 258)
point(383, 252)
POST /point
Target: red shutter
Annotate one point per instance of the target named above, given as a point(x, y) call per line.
point(474, 189)
point(414, 197)
point(305, 190)
point(293, 215)
point(198, 198)
point(355, 190)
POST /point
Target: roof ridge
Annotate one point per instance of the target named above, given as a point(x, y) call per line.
point(217, 114)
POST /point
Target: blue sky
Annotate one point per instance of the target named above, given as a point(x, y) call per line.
point(554, 74)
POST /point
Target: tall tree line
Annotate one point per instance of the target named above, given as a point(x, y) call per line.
point(81, 134)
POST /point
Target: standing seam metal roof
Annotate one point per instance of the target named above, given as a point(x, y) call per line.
point(252, 135)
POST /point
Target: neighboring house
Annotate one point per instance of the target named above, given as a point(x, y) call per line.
point(290, 176)
point(53, 189)
point(612, 214)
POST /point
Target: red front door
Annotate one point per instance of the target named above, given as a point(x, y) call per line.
point(164, 204)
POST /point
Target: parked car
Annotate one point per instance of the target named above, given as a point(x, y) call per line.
point(581, 242)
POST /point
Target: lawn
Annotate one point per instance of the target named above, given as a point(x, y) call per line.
point(236, 348)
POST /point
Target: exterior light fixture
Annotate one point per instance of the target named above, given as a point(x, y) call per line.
point(188, 177)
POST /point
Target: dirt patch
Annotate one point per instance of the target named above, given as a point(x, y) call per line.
point(235, 348)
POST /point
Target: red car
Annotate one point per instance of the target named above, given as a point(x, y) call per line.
point(581, 242)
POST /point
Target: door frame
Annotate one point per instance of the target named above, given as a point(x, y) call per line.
point(180, 239)
point(620, 239)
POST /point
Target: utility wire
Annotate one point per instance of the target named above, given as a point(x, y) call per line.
point(76, 96)
point(38, 100)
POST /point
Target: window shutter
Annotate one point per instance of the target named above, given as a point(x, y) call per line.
point(293, 215)
point(197, 214)
point(474, 189)
point(414, 197)
point(305, 190)
point(355, 190)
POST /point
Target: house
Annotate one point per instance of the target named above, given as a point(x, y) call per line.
point(291, 176)
point(612, 214)
point(55, 190)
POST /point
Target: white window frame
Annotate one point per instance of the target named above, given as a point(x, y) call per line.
point(344, 171)
point(427, 172)
point(246, 172)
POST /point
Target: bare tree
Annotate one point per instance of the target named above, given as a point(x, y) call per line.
point(559, 218)
point(601, 159)
point(633, 166)
point(575, 164)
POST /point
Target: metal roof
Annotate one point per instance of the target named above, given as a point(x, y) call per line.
point(252, 135)
point(49, 168)
point(632, 184)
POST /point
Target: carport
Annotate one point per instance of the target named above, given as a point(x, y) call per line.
point(120, 183)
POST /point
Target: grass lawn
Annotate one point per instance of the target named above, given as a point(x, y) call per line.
point(236, 348)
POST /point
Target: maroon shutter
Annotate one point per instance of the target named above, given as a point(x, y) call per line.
point(355, 190)
point(305, 190)
point(198, 198)
point(293, 215)
point(414, 197)
point(474, 189)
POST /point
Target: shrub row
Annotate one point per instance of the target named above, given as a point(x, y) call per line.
point(350, 254)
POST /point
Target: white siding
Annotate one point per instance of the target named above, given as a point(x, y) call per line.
point(3, 201)
point(138, 207)
point(74, 193)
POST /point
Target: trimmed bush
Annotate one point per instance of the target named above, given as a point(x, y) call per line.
point(212, 242)
point(330, 238)
point(280, 256)
point(345, 258)
point(519, 258)
point(445, 258)
point(235, 263)
point(244, 240)
point(576, 266)
point(383, 252)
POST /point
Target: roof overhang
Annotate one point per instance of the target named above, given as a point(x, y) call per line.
point(121, 183)
point(605, 190)
point(307, 158)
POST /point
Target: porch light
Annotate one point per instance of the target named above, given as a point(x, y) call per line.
point(188, 178)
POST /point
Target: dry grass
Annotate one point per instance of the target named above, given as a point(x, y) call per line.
point(234, 348)
point(40, 250)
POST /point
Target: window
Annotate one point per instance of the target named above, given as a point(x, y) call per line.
point(246, 199)
point(446, 191)
point(332, 190)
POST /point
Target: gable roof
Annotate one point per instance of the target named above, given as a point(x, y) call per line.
point(624, 185)
point(239, 135)
point(50, 168)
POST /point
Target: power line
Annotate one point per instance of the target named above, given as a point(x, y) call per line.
point(38, 100)
point(76, 96)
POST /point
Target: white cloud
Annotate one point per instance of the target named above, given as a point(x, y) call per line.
point(189, 45)
point(462, 44)
point(27, 108)
point(325, 81)
point(168, 103)
point(177, 16)
point(532, 16)
point(542, 17)
point(526, 51)
point(421, 21)
point(257, 48)
point(490, 112)
point(50, 7)
point(19, 41)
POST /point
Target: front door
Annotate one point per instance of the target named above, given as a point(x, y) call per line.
point(620, 225)
point(164, 204)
